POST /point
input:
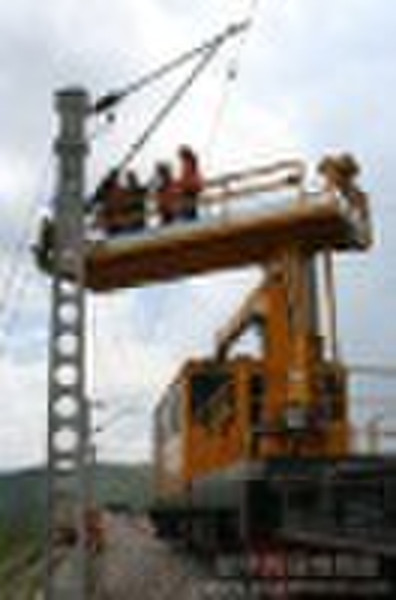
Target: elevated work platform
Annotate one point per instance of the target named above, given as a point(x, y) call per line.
point(222, 242)
point(242, 219)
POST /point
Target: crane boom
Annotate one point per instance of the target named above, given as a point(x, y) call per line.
point(110, 100)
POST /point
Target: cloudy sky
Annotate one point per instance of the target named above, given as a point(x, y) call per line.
point(313, 78)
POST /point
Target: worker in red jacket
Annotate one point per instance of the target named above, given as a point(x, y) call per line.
point(189, 184)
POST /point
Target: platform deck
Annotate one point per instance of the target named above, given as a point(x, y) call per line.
point(230, 239)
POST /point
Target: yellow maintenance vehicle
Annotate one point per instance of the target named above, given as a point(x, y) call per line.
point(246, 447)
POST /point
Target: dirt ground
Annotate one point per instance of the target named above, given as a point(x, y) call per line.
point(135, 564)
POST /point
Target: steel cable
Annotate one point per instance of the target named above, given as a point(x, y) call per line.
point(231, 75)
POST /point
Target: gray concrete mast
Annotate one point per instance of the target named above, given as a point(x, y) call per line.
point(67, 406)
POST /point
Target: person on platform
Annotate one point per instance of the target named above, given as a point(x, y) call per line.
point(121, 207)
point(102, 201)
point(136, 206)
point(104, 188)
point(189, 183)
point(340, 173)
point(165, 193)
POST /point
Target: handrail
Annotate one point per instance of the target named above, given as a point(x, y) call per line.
point(225, 194)
point(298, 165)
point(237, 185)
point(226, 187)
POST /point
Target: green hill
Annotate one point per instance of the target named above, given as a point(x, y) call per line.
point(23, 499)
point(128, 486)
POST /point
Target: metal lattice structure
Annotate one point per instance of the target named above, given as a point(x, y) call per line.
point(67, 406)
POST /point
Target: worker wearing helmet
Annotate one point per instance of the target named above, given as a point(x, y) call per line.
point(189, 183)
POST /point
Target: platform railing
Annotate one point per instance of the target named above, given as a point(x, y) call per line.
point(233, 195)
point(270, 190)
point(288, 174)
